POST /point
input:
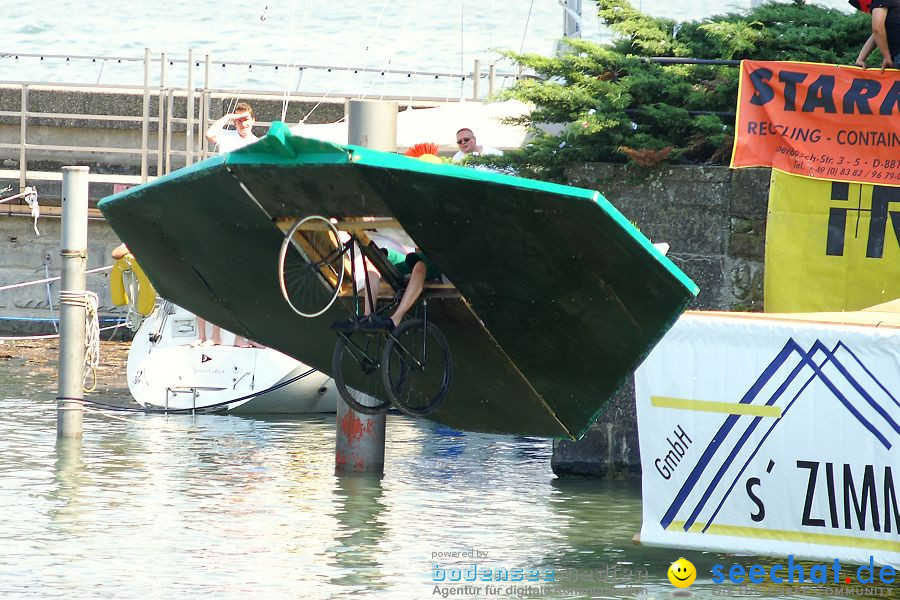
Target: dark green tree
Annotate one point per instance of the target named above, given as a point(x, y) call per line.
point(617, 105)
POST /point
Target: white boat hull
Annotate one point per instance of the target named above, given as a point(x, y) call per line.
point(166, 371)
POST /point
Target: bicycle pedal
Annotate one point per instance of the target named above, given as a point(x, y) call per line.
point(345, 326)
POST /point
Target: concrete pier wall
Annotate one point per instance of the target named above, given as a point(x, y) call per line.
point(25, 257)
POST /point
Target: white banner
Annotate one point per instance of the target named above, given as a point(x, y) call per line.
point(772, 437)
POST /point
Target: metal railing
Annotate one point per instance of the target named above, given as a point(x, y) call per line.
point(490, 74)
point(169, 154)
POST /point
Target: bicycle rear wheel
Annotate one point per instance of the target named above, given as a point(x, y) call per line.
point(416, 367)
point(356, 365)
point(311, 266)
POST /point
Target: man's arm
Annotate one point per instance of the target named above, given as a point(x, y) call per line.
point(212, 134)
point(879, 32)
point(865, 51)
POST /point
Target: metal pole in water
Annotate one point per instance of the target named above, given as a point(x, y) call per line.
point(69, 409)
point(359, 443)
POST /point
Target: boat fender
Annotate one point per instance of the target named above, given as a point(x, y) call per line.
point(118, 289)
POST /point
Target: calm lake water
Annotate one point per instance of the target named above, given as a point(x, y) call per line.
point(230, 507)
point(413, 35)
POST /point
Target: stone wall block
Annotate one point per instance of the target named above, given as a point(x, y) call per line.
point(750, 193)
point(748, 238)
point(744, 281)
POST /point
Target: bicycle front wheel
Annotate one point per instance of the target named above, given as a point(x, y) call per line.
point(356, 366)
point(311, 266)
point(416, 367)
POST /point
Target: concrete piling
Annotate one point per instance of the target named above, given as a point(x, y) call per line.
point(359, 443)
point(69, 409)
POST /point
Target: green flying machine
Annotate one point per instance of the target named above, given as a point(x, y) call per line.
point(548, 297)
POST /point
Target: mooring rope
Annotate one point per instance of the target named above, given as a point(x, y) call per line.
point(49, 336)
point(49, 293)
point(49, 280)
point(13, 286)
point(89, 301)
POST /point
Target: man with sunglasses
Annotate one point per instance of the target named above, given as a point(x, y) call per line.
point(468, 146)
point(232, 139)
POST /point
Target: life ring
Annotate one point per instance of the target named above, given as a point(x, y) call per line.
point(118, 287)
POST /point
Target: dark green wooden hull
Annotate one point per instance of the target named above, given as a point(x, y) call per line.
point(561, 297)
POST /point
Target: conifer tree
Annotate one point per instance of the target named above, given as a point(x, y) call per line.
point(616, 105)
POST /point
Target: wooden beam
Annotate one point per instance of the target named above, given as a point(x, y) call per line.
point(354, 224)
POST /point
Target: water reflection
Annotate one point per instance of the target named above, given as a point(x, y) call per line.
point(361, 528)
point(70, 479)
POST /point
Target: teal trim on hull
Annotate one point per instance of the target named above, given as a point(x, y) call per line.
point(561, 297)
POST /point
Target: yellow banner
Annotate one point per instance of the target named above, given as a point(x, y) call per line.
point(831, 246)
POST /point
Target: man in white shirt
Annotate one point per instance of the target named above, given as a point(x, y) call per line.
point(232, 139)
point(465, 139)
point(227, 140)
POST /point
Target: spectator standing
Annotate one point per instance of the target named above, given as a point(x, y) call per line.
point(468, 146)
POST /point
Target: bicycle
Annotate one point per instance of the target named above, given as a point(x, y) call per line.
point(413, 360)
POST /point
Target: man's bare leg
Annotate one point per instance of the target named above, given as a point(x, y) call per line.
point(201, 332)
point(411, 294)
point(214, 340)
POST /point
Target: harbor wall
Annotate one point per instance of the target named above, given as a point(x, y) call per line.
point(26, 256)
point(714, 219)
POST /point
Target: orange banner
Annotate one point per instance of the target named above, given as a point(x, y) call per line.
point(823, 121)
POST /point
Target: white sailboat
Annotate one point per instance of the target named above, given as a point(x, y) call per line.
point(168, 370)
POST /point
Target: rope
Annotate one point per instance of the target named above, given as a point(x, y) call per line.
point(365, 49)
point(387, 69)
point(30, 195)
point(170, 411)
point(462, 48)
point(87, 300)
point(47, 280)
point(50, 336)
point(49, 293)
point(525, 32)
point(294, 56)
